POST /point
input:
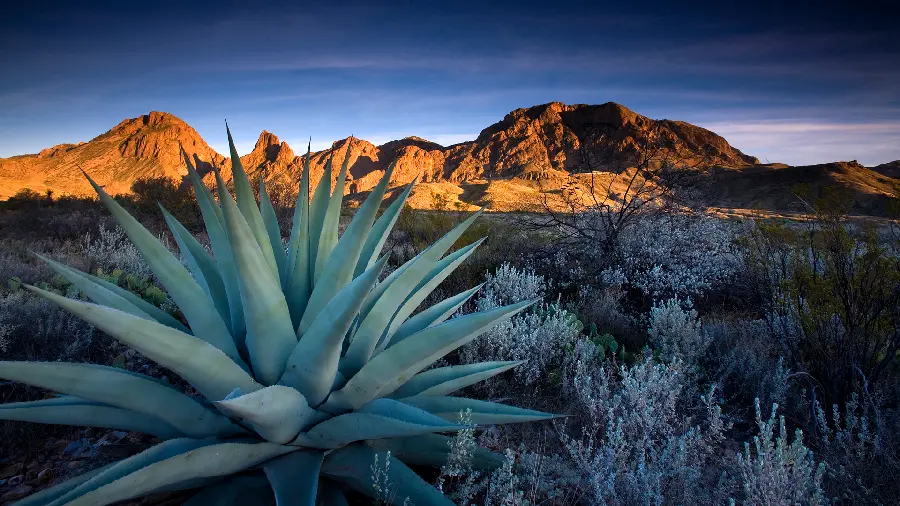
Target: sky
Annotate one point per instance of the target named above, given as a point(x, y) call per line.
point(796, 83)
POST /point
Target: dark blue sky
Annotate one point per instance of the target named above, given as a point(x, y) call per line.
point(797, 83)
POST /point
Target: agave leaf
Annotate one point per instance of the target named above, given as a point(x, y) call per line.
point(122, 389)
point(383, 285)
point(48, 495)
point(214, 221)
point(253, 490)
point(295, 477)
point(202, 316)
point(246, 202)
point(318, 207)
point(202, 265)
point(329, 234)
point(270, 335)
point(208, 461)
point(330, 494)
point(390, 369)
point(270, 220)
point(437, 275)
point(434, 315)
point(381, 418)
point(98, 289)
point(446, 380)
point(381, 230)
point(483, 412)
point(338, 270)
point(352, 465)
point(124, 467)
point(297, 286)
point(374, 324)
point(75, 411)
point(313, 364)
point(202, 365)
point(276, 412)
point(97, 293)
point(432, 450)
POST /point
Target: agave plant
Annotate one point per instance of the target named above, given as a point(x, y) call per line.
point(307, 365)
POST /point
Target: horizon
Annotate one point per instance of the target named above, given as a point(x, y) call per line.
point(783, 83)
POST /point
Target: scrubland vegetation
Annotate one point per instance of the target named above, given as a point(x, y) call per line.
point(697, 360)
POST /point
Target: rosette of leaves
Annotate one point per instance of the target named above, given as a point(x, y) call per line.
point(307, 363)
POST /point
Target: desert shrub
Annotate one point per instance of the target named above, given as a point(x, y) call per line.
point(637, 443)
point(604, 307)
point(36, 329)
point(112, 249)
point(779, 471)
point(673, 255)
point(676, 332)
point(858, 448)
point(832, 299)
point(148, 193)
point(539, 337)
point(747, 361)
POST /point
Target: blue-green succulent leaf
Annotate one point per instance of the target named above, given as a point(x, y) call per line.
point(396, 365)
point(202, 266)
point(241, 490)
point(97, 292)
point(202, 365)
point(202, 316)
point(86, 413)
point(123, 468)
point(270, 334)
point(328, 237)
point(277, 413)
point(295, 477)
point(313, 364)
point(122, 389)
point(434, 315)
point(270, 220)
point(208, 461)
point(374, 324)
point(330, 494)
point(318, 208)
point(381, 230)
point(339, 268)
point(432, 450)
point(215, 230)
point(446, 380)
point(381, 418)
point(298, 285)
point(438, 274)
point(246, 202)
point(483, 412)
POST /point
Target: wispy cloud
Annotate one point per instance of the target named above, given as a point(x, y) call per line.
point(805, 142)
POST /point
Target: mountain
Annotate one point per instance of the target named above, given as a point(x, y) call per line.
point(145, 146)
point(507, 167)
point(890, 169)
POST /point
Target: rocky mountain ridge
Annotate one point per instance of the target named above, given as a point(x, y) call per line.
point(530, 147)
